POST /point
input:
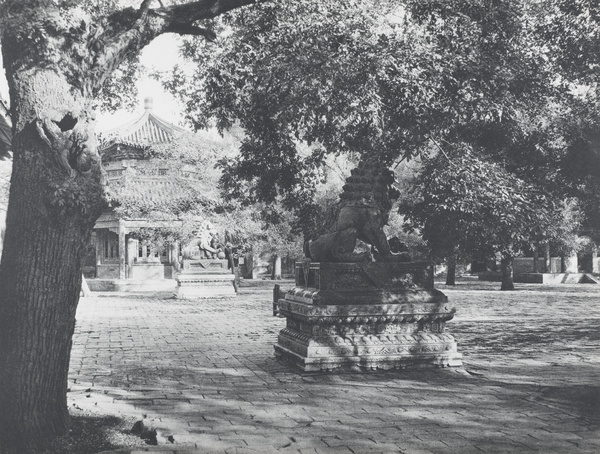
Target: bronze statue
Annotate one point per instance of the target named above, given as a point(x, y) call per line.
point(360, 214)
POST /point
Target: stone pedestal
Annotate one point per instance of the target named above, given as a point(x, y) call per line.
point(206, 278)
point(361, 316)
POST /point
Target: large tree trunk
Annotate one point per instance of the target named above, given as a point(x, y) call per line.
point(56, 61)
point(56, 195)
point(506, 263)
point(451, 270)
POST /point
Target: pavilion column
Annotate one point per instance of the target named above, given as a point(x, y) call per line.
point(99, 243)
point(122, 250)
point(132, 249)
point(536, 254)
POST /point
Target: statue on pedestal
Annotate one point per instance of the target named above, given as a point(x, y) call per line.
point(204, 271)
point(209, 245)
point(364, 309)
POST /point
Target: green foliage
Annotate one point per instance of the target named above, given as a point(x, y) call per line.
point(5, 138)
point(280, 234)
point(571, 32)
point(199, 150)
point(307, 72)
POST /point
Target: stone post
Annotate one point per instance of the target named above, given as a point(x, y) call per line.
point(276, 272)
point(571, 265)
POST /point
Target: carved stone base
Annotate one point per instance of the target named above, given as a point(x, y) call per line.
point(200, 286)
point(400, 324)
point(205, 266)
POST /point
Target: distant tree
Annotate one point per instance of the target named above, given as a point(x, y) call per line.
point(342, 77)
point(5, 168)
point(467, 205)
point(5, 135)
point(571, 32)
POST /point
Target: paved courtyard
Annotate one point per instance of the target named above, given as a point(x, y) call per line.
point(204, 373)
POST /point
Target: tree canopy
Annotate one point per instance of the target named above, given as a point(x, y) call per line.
point(380, 78)
point(374, 77)
point(470, 206)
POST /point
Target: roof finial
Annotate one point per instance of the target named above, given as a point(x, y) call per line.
point(148, 102)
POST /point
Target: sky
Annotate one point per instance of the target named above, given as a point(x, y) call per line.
point(162, 54)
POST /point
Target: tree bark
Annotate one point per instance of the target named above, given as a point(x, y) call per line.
point(40, 278)
point(451, 267)
point(506, 263)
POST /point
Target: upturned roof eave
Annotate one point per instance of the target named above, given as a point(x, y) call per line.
point(125, 134)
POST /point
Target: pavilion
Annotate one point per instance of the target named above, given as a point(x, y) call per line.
point(122, 261)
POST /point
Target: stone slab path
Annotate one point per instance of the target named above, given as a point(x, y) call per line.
point(204, 373)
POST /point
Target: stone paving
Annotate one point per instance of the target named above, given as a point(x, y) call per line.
point(204, 372)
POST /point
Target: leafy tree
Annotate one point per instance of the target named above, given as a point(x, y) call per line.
point(5, 167)
point(510, 82)
point(280, 235)
point(5, 134)
point(338, 76)
point(58, 55)
point(470, 206)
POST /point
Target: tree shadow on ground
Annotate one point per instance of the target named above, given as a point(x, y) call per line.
point(268, 402)
point(580, 400)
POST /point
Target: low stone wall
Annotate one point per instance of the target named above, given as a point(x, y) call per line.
point(131, 285)
point(555, 278)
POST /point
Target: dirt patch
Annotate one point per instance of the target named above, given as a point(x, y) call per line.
point(91, 434)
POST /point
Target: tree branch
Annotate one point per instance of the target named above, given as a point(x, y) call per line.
point(202, 9)
point(129, 30)
point(186, 29)
point(145, 6)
